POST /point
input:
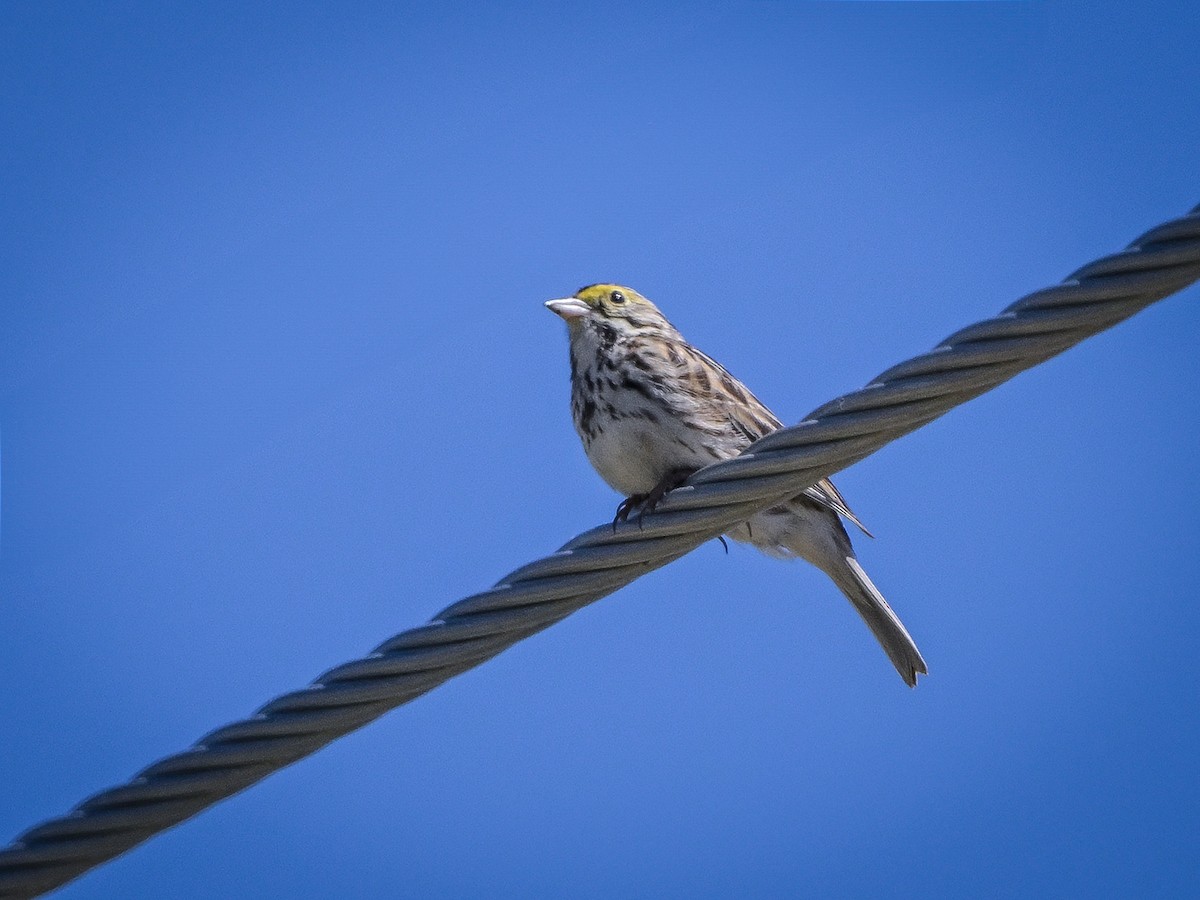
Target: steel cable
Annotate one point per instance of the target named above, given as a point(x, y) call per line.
point(598, 562)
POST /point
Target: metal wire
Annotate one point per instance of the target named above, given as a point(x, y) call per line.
point(598, 562)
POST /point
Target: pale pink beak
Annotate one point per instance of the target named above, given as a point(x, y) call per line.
point(569, 308)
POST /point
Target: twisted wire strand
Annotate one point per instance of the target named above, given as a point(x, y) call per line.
point(598, 562)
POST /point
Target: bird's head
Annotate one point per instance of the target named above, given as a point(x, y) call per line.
point(614, 305)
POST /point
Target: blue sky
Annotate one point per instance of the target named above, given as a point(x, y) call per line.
point(276, 383)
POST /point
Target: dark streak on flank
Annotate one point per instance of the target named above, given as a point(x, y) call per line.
point(634, 384)
point(586, 413)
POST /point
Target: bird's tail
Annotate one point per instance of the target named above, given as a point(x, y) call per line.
point(884, 624)
point(814, 533)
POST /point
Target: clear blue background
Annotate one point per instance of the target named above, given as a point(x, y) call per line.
point(277, 383)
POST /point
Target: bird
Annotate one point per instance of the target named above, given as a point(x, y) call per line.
point(651, 409)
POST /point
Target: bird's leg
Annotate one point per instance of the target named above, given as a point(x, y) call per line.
point(666, 484)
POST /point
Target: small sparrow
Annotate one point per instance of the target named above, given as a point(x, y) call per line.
point(651, 409)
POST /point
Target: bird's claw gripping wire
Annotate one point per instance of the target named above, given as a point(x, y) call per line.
point(646, 503)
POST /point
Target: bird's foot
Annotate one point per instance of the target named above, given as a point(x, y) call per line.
point(626, 506)
point(646, 503)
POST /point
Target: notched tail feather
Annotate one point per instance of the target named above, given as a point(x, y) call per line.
point(810, 529)
point(893, 637)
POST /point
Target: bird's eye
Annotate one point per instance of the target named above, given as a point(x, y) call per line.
point(617, 297)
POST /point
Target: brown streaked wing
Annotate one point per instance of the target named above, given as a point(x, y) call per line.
point(748, 415)
point(827, 495)
point(751, 418)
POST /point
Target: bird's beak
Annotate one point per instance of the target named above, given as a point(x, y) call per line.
point(569, 308)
